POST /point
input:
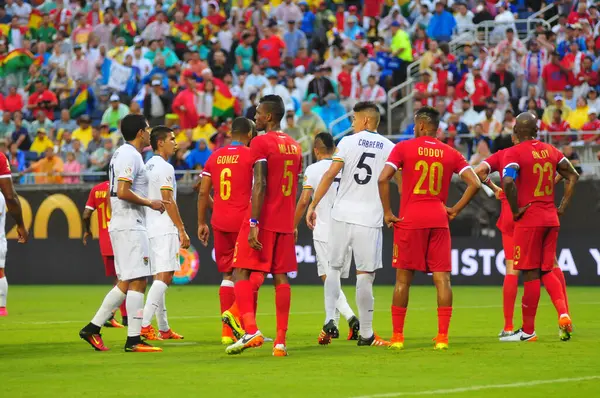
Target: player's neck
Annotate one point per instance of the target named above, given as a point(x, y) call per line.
point(137, 144)
point(162, 155)
point(273, 127)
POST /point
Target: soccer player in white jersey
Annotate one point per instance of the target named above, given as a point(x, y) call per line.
point(10, 200)
point(356, 218)
point(323, 148)
point(128, 198)
point(165, 231)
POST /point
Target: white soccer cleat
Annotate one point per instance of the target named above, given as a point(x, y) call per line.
point(247, 341)
point(505, 333)
point(519, 335)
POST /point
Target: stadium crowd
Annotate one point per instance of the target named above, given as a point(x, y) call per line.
point(69, 72)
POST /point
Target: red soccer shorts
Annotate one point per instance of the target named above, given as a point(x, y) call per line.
point(109, 265)
point(224, 248)
point(509, 246)
point(278, 255)
point(426, 250)
point(535, 247)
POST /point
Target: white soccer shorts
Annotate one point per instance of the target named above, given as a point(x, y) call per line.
point(366, 244)
point(322, 253)
point(131, 254)
point(3, 250)
point(164, 253)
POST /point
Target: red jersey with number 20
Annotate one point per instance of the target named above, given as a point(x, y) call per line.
point(505, 223)
point(230, 170)
point(427, 166)
point(98, 201)
point(284, 162)
point(537, 163)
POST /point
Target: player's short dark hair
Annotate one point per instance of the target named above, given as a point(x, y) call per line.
point(274, 105)
point(327, 140)
point(131, 126)
point(159, 133)
point(242, 125)
point(429, 113)
point(365, 106)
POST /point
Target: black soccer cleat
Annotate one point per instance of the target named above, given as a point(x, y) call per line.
point(327, 333)
point(93, 338)
point(354, 326)
point(374, 341)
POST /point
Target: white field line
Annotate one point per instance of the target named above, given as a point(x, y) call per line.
point(479, 388)
point(273, 314)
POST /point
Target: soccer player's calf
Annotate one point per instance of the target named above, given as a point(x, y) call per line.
point(166, 232)
point(421, 233)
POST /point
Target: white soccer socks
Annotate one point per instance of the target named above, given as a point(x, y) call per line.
point(3, 291)
point(343, 307)
point(161, 315)
point(154, 301)
point(111, 302)
point(365, 303)
point(333, 288)
point(135, 311)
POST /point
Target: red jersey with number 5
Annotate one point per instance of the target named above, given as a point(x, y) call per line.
point(284, 162)
point(505, 223)
point(98, 201)
point(427, 166)
point(230, 170)
point(537, 163)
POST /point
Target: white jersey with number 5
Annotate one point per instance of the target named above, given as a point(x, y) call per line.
point(364, 155)
point(161, 176)
point(127, 165)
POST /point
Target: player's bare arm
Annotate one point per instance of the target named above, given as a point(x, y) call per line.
point(324, 185)
point(124, 192)
point(566, 170)
point(204, 200)
point(301, 207)
point(473, 185)
point(510, 189)
point(14, 207)
point(173, 212)
point(387, 174)
point(258, 197)
point(483, 172)
point(87, 218)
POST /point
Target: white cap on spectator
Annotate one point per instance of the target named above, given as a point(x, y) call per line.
point(138, 39)
point(156, 82)
point(592, 110)
point(300, 69)
point(114, 97)
point(558, 98)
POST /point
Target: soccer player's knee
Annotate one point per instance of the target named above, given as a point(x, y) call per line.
point(280, 279)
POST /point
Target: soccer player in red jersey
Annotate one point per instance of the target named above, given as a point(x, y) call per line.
point(528, 180)
point(506, 225)
point(421, 233)
point(98, 200)
point(229, 171)
point(10, 200)
point(266, 242)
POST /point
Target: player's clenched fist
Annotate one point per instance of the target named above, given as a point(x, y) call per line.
point(158, 205)
point(184, 239)
point(390, 219)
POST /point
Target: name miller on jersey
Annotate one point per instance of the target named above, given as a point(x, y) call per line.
point(370, 144)
point(288, 149)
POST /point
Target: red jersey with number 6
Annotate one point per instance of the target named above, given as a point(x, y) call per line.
point(537, 163)
point(230, 170)
point(98, 201)
point(427, 166)
point(284, 162)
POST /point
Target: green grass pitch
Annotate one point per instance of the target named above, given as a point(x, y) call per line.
point(42, 355)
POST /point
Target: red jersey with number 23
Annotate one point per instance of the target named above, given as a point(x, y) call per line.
point(284, 162)
point(427, 166)
point(98, 201)
point(505, 223)
point(537, 163)
point(230, 170)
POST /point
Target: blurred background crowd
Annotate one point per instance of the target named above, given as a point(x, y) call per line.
point(70, 71)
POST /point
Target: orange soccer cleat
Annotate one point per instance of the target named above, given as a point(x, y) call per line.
point(280, 350)
point(440, 342)
point(113, 323)
point(169, 335)
point(397, 342)
point(374, 341)
point(93, 339)
point(566, 327)
point(149, 333)
point(141, 347)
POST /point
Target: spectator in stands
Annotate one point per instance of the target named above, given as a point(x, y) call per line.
point(474, 87)
point(84, 132)
point(13, 102)
point(199, 155)
point(65, 144)
point(558, 104)
point(41, 142)
point(157, 103)
point(586, 78)
point(573, 157)
point(570, 98)
point(7, 126)
point(20, 135)
point(502, 104)
point(579, 116)
point(97, 140)
point(50, 167)
point(80, 154)
point(593, 125)
point(483, 152)
point(555, 77)
point(100, 158)
point(442, 24)
point(322, 86)
point(204, 130)
point(556, 125)
point(310, 124)
point(117, 111)
point(502, 78)
point(401, 49)
point(463, 17)
point(16, 158)
point(273, 87)
point(592, 98)
point(491, 126)
point(423, 19)
point(272, 46)
point(532, 106)
point(71, 166)
point(42, 100)
point(469, 116)
point(532, 95)
point(332, 110)
point(426, 91)
point(431, 56)
point(64, 123)
point(42, 122)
